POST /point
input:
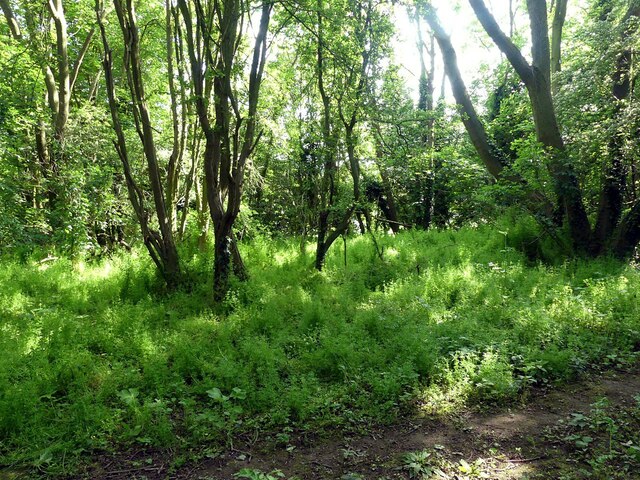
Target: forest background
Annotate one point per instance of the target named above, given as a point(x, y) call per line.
point(219, 216)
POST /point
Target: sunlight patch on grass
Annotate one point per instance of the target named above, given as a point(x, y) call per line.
point(444, 319)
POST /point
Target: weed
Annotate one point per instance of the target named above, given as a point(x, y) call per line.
point(605, 440)
point(419, 464)
point(253, 474)
point(97, 356)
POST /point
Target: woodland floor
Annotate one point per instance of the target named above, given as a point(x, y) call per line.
point(531, 441)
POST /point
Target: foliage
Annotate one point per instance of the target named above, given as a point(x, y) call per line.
point(97, 357)
point(604, 440)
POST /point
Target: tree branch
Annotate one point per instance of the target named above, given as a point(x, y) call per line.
point(80, 58)
point(503, 42)
point(470, 118)
point(11, 19)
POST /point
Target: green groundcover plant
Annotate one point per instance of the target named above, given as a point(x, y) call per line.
point(96, 357)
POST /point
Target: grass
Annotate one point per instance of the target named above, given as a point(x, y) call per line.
point(96, 357)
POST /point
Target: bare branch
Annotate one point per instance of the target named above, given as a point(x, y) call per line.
point(503, 42)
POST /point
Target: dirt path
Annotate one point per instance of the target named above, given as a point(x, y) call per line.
point(527, 442)
point(510, 444)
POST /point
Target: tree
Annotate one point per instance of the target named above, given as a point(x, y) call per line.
point(30, 27)
point(160, 243)
point(351, 63)
point(214, 33)
point(621, 236)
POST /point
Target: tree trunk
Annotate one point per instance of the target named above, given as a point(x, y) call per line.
point(425, 104)
point(628, 233)
point(390, 212)
point(614, 181)
point(160, 244)
point(559, 15)
point(537, 78)
point(227, 146)
point(470, 119)
point(328, 190)
point(222, 262)
point(175, 158)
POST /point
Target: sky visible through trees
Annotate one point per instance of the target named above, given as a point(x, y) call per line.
point(224, 220)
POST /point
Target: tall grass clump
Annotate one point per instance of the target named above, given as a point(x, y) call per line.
point(97, 356)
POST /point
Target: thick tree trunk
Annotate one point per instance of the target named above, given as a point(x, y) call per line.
point(537, 78)
point(628, 233)
point(326, 238)
point(614, 178)
point(239, 268)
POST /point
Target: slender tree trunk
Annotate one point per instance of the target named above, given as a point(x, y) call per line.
point(559, 16)
point(328, 187)
point(470, 119)
point(329, 231)
point(204, 219)
point(391, 212)
point(425, 104)
point(12, 21)
point(175, 158)
point(161, 245)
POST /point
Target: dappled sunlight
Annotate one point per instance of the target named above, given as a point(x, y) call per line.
point(292, 346)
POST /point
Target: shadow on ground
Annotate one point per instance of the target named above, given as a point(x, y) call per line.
point(509, 444)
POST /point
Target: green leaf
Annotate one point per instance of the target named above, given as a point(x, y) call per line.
point(217, 395)
point(464, 466)
point(238, 394)
point(129, 395)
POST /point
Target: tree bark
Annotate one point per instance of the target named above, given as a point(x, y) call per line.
point(537, 78)
point(559, 16)
point(614, 178)
point(14, 26)
point(161, 245)
point(64, 76)
point(388, 208)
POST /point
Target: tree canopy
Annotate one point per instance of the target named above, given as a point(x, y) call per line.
point(156, 121)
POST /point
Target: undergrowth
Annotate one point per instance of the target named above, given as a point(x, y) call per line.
point(96, 357)
point(603, 443)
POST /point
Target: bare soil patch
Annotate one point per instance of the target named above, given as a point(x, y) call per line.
point(507, 443)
